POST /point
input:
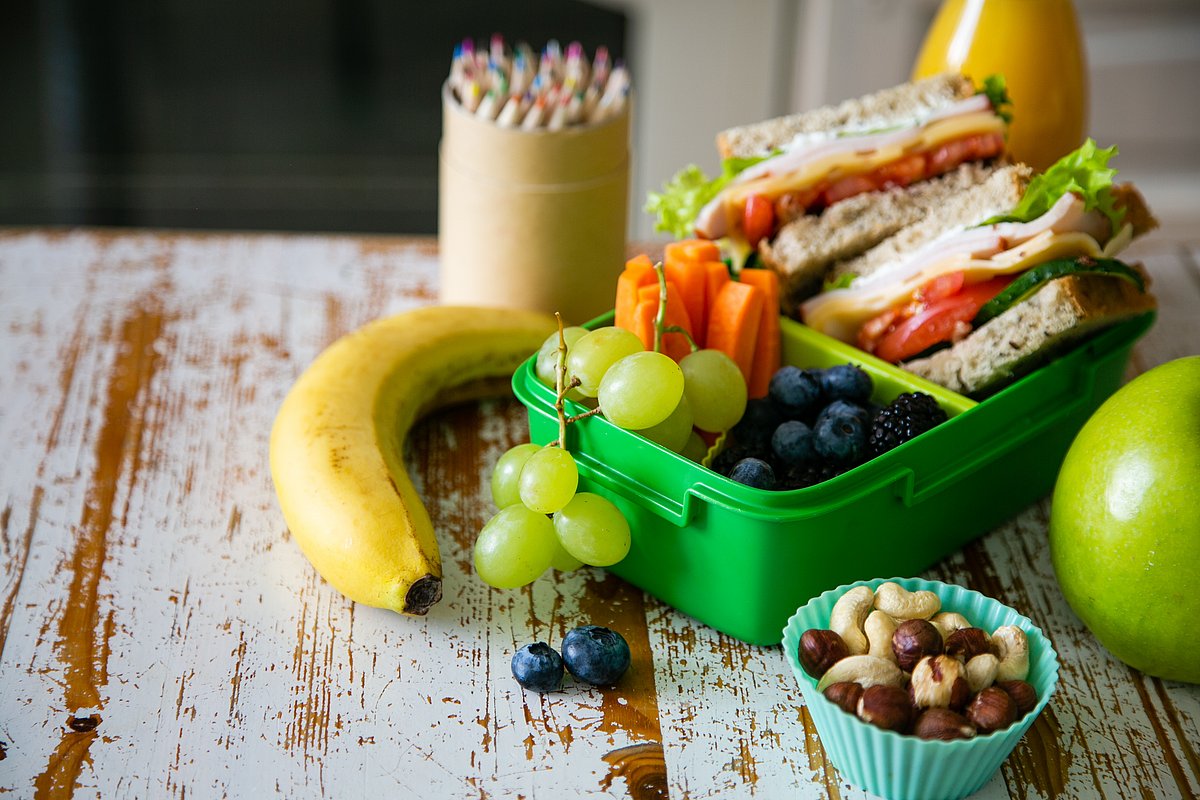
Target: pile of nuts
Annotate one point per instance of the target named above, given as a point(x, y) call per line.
point(895, 660)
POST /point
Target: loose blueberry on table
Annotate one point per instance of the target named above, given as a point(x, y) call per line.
point(596, 655)
point(538, 667)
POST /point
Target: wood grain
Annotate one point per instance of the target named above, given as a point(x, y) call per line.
point(161, 636)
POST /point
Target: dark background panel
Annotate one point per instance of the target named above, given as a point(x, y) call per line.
point(251, 115)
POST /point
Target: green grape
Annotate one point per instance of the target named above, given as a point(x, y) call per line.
point(715, 388)
point(592, 355)
point(548, 480)
point(507, 474)
point(593, 530)
point(563, 561)
point(547, 357)
point(695, 449)
point(514, 547)
point(673, 432)
point(641, 390)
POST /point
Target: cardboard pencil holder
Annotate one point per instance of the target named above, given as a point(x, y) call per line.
point(532, 219)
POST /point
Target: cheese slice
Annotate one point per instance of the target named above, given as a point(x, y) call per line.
point(861, 159)
point(807, 167)
point(843, 316)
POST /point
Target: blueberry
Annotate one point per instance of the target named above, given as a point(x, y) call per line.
point(843, 408)
point(596, 655)
point(840, 433)
point(753, 472)
point(538, 667)
point(792, 443)
point(796, 391)
point(846, 382)
point(757, 424)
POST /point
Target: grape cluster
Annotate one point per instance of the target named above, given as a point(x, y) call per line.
point(544, 521)
point(648, 392)
point(815, 424)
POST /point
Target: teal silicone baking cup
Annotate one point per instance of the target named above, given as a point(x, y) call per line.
point(902, 767)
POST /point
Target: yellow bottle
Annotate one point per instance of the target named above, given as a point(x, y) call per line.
point(1037, 46)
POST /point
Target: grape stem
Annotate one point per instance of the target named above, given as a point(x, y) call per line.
point(660, 322)
point(589, 413)
point(560, 380)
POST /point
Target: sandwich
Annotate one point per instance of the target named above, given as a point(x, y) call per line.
point(803, 191)
point(999, 278)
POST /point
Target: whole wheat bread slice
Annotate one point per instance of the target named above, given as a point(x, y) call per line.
point(1031, 332)
point(804, 249)
point(870, 111)
point(999, 193)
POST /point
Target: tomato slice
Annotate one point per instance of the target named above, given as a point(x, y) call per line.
point(901, 172)
point(943, 286)
point(940, 321)
point(848, 187)
point(758, 218)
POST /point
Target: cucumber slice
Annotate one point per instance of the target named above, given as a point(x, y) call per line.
point(1031, 280)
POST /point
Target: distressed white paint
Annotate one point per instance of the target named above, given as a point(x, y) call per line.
point(234, 670)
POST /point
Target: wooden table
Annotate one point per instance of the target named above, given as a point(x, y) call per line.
point(161, 636)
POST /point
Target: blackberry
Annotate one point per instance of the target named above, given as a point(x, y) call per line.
point(909, 415)
point(758, 422)
point(724, 460)
point(802, 476)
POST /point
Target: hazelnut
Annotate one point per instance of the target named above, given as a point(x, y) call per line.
point(939, 681)
point(992, 710)
point(886, 707)
point(966, 643)
point(942, 723)
point(844, 695)
point(913, 640)
point(820, 650)
point(1024, 696)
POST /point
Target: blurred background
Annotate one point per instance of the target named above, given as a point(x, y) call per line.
point(325, 116)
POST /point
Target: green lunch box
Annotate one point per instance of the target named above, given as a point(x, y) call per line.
point(743, 559)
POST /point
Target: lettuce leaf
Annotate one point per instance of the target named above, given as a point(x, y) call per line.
point(1084, 172)
point(689, 191)
point(996, 88)
point(843, 281)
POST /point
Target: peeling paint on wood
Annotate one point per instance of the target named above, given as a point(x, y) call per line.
point(161, 636)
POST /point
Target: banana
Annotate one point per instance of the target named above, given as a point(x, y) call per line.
point(338, 440)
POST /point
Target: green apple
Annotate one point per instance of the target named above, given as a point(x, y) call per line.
point(1125, 522)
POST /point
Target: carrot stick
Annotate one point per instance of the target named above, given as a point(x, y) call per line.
point(716, 275)
point(691, 250)
point(767, 348)
point(690, 279)
point(638, 272)
point(733, 323)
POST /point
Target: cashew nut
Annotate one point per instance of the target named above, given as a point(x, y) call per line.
point(880, 628)
point(938, 681)
point(848, 615)
point(947, 622)
point(980, 672)
point(864, 670)
point(1012, 647)
point(902, 604)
